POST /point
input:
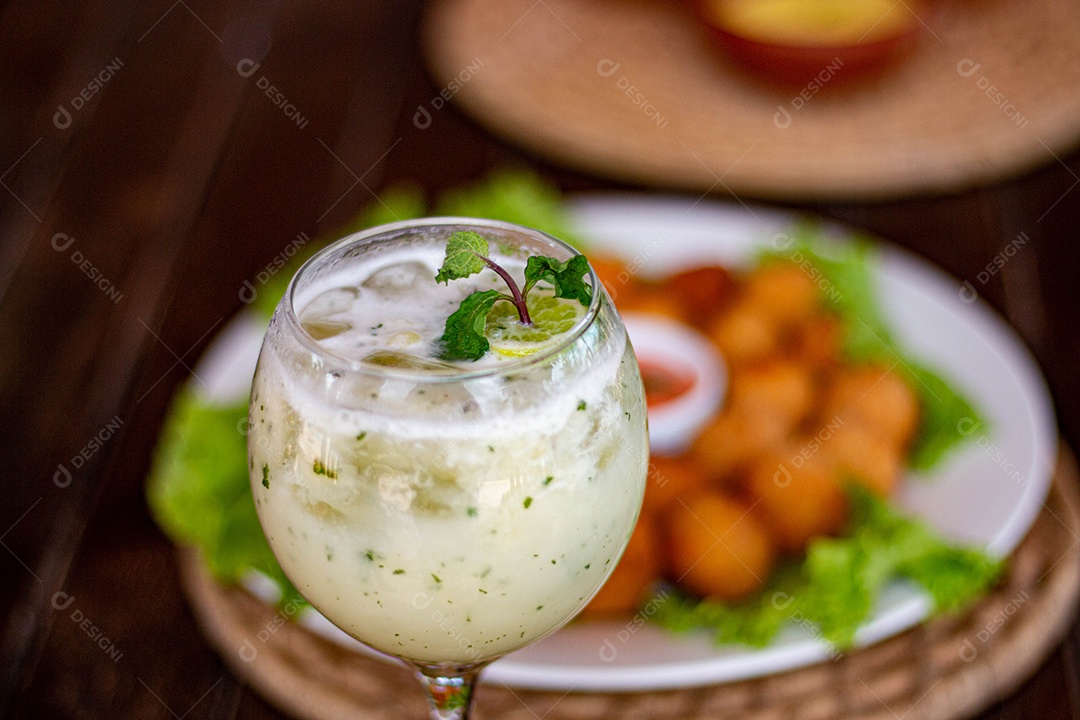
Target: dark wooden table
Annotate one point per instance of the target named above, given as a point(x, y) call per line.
point(146, 175)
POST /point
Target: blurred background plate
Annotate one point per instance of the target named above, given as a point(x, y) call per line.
point(988, 493)
point(633, 90)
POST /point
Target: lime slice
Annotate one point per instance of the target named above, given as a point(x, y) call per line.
point(551, 317)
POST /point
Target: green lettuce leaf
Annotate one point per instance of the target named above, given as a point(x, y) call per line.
point(517, 196)
point(199, 493)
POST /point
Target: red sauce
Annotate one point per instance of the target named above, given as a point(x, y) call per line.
point(663, 383)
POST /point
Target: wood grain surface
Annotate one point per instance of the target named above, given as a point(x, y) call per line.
point(146, 174)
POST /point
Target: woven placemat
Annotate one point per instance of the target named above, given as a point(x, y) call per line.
point(632, 89)
point(944, 669)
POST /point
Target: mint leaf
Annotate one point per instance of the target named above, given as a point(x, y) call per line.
point(568, 278)
point(465, 253)
point(463, 338)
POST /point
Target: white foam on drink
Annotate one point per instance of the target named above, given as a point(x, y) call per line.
point(409, 301)
point(547, 413)
point(400, 313)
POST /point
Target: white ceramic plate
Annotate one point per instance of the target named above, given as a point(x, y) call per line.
point(988, 493)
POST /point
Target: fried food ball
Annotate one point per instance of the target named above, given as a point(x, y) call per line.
point(718, 547)
point(798, 494)
point(653, 300)
point(816, 341)
point(637, 570)
point(670, 478)
point(612, 275)
point(783, 292)
point(780, 388)
point(877, 399)
point(701, 292)
point(731, 440)
point(863, 456)
point(744, 334)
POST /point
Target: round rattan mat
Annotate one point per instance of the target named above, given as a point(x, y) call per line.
point(632, 89)
point(946, 668)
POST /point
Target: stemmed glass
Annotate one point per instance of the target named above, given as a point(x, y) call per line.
point(442, 513)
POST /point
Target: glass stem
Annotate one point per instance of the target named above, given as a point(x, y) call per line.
point(449, 690)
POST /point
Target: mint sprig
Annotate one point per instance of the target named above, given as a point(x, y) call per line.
point(568, 278)
point(464, 335)
point(467, 253)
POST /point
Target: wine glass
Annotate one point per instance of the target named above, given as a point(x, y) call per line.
point(442, 513)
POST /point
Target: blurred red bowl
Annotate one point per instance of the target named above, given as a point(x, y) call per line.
point(797, 42)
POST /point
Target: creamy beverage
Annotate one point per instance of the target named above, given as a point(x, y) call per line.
point(443, 512)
